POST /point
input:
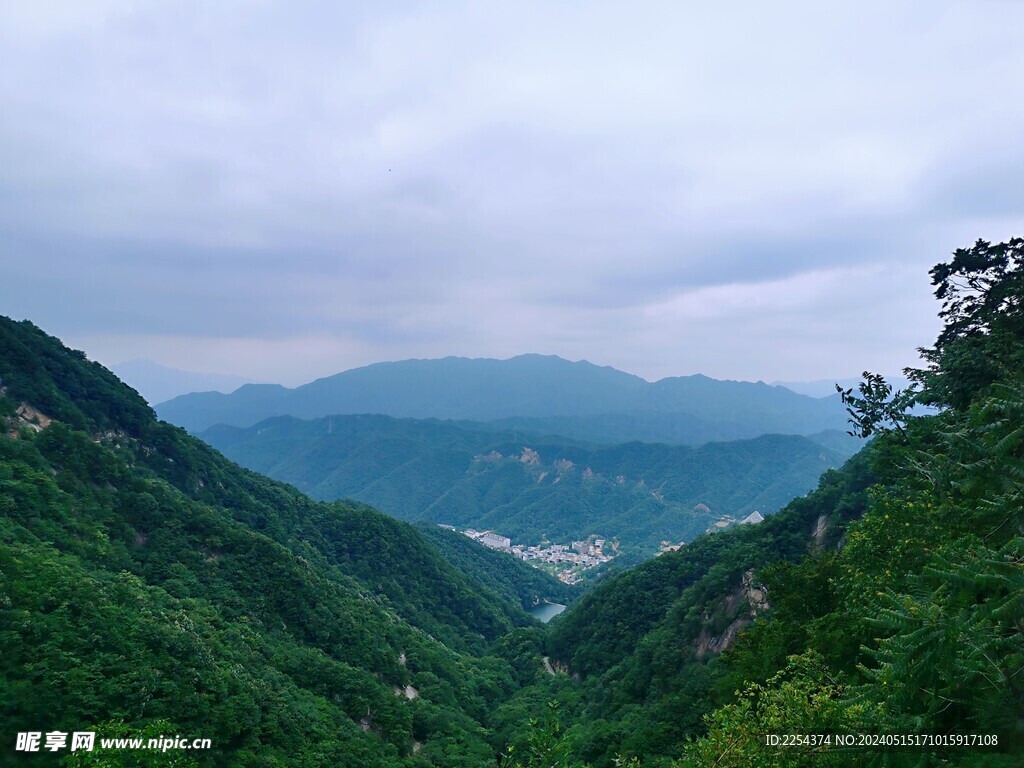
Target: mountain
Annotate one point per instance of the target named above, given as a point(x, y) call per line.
point(642, 652)
point(157, 383)
point(150, 586)
point(529, 488)
point(820, 388)
point(888, 601)
point(519, 583)
point(579, 400)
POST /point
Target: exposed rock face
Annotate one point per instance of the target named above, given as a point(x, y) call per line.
point(530, 457)
point(490, 457)
point(743, 605)
point(32, 417)
point(757, 597)
point(820, 531)
point(707, 643)
point(409, 692)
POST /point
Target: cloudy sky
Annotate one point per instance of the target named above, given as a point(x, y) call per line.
point(283, 190)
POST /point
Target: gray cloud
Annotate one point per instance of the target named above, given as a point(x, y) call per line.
point(283, 190)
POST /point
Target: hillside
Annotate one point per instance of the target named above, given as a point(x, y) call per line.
point(542, 394)
point(149, 586)
point(890, 601)
point(525, 488)
point(517, 582)
point(145, 579)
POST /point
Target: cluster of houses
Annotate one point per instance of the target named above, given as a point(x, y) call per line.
point(568, 560)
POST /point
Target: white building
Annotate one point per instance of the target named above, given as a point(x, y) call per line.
point(495, 541)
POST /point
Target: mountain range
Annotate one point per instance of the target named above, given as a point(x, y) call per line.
point(542, 394)
point(528, 487)
point(149, 586)
point(157, 383)
point(146, 579)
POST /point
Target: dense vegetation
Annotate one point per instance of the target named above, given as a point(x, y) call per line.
point(513, 580)
point(145, 580)
point(149, 585)
point(890, 601)
point(534, 393)
point(529, 488)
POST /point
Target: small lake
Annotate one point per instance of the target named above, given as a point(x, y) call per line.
point(545, 612)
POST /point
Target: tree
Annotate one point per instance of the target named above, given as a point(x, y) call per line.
point(982, 295)
point(877, 406)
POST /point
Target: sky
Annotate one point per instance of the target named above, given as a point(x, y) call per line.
point(285, 190)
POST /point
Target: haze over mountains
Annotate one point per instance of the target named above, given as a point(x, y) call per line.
point(158, 383)
point(536, 447)
point(827, 387)
point(149, 585)
point(543, 394)
point(144, 577)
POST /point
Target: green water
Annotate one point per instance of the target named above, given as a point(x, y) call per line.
point(545, 612)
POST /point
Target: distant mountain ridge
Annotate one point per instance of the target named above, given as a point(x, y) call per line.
point(158, 383)
point(540, 393)
point(146, 582)
point(820, 388)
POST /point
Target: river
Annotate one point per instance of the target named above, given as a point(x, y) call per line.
point(545, 612)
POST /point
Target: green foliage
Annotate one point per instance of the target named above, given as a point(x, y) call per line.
point(509, 579)
point(63, 384)
point(132, 758)
point(147, 584)
point(877, 407)
point(546, 746)
point(953, 646)
point(529, 488)
point(920, 616)
point(801, 699)
point(981, 339)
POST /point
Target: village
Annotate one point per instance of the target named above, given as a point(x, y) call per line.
point(565, 561)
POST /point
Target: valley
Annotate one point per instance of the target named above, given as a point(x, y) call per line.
point(150, 584)
point(530, 488)
point(567, 563)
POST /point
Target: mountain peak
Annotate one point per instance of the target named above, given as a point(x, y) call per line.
point(37, 369)
point(529, 386)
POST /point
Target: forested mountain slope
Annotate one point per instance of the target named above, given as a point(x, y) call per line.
point(519, 583)
point(542, 394)
point(150, 586)
point(148, 583)
point(529, 488)
point(889, 603)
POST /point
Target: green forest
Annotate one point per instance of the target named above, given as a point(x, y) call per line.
point(150, 585)
point(530, 487)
